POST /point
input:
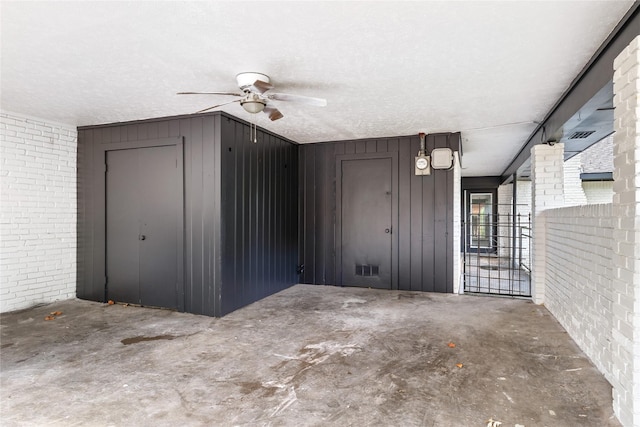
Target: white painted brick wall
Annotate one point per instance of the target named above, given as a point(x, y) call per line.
point(573, 192)
point(37, 211)
point(579, 290)
point(598, 192)
point(522, 221)
point(523, 209)
point(505, 213)
point(524, 196)
point(626, 236)
point(547, 192)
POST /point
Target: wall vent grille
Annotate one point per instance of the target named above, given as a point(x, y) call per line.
point(367, 270)
point(582, 134)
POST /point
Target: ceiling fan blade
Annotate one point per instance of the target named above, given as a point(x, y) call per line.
point(273, 113)
point(307, 100)
point(261, 87)
point(209, 93)
point(216, 106)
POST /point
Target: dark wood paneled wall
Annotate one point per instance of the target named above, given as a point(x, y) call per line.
point(259, 215)
point(240, 209)
point(425, 212)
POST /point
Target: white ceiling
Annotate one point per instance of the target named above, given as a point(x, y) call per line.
point(488, 69)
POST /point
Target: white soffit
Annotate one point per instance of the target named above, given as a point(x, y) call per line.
point(385, 68)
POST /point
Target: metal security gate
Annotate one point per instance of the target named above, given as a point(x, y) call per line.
point(497, 257)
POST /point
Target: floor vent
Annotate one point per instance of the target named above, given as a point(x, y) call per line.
point(367, 270)
point(582, 134)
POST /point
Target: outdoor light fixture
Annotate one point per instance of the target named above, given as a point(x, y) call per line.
point(253, 103)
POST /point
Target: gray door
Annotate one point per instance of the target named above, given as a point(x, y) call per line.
point(366, 222)
point(144, 226)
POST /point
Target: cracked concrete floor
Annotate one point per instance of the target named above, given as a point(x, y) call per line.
point(310, 355)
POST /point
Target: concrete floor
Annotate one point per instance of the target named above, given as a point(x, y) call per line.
point(311, 355)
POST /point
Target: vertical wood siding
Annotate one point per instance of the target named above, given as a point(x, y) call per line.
point(259, 215)
point(425, 212)
point(240, 209)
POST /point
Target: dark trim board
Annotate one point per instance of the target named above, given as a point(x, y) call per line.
point(597, 176)
point(597, 73)
point(480, 182)
point(148, 123)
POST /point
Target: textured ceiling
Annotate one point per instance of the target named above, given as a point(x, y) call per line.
point(488, 69)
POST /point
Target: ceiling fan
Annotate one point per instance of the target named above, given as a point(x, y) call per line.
point(255, 96)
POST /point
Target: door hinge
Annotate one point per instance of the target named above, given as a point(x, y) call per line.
point(106, 168)
point(106, 280)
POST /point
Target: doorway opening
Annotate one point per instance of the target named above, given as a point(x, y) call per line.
point(481, 223)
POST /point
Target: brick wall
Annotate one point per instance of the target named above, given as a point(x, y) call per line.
point(522, 222)
point(587, 258)
point(573, 192)
point(37, 211)
point(505, 213)
point(579, 290)
point(598, 192)
point(524, 197)
point(547, 192)
point(598, 157)
point(523, 210)
point(626, 235)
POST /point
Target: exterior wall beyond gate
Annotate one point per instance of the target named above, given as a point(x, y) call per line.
point(240, 209)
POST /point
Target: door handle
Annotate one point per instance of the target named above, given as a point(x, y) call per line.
point(387, 230)
point(142, 237)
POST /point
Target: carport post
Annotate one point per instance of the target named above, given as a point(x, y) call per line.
point(625, 348)
point(547, 192)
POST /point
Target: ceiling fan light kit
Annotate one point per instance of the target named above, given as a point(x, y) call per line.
point(254, 99)
point(253, 103)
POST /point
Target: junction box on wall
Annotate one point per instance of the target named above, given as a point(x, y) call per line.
point(440, 158)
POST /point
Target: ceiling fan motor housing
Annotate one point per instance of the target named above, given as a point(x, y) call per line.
point(246, 80)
